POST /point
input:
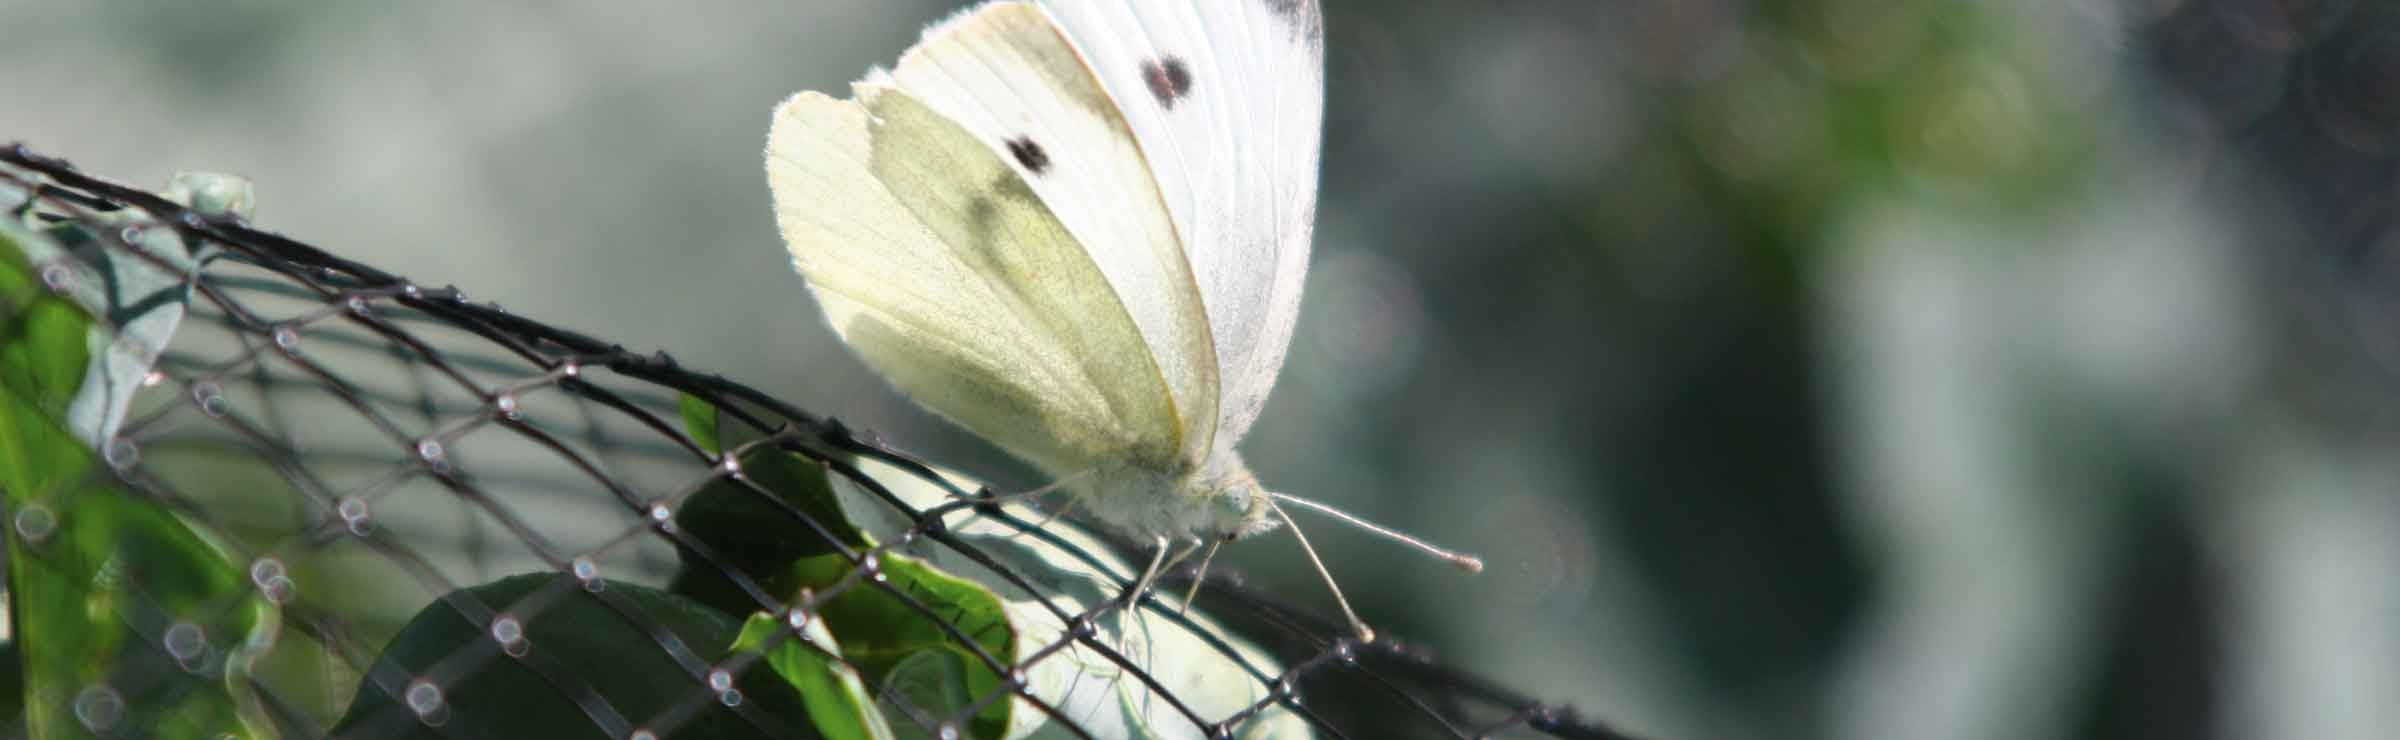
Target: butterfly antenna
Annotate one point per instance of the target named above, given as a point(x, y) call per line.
point(1201, 576)
point(1357, 625)
point(1465, 562)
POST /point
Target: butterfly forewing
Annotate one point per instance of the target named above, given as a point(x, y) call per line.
point(1226, 98)
point(1005, 73)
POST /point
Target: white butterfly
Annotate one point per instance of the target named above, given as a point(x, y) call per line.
point(1079, 229)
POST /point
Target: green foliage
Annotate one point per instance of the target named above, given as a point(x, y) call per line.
point(118, 606)
point(878, 631)
point(700, 421)
point(753, 534)
point(586, 637)
point(838, 702)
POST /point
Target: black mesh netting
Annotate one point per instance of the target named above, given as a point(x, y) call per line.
point(342, 504)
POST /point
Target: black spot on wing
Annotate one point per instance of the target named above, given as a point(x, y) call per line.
point(1168, 78)
point(1302, 16)
point(1029, 154)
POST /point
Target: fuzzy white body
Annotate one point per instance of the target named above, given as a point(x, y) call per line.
point(1219, 500)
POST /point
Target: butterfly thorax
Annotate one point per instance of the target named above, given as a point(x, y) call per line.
point(1217, 499)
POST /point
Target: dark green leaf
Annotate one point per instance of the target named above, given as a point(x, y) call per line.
point(838, 702)
point(760, 535)
point(586, 640)
point(880, 631)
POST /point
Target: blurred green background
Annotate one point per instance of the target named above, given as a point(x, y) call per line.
point(1829, 368)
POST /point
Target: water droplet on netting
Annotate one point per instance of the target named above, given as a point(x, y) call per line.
point(1018, 679)
point(1083, 628)
point(192, 220)
point(287, 338)
point(278, 589)
point(796, 619)
point(1344, 651)
point(507, 404)
point(584, 569)
point(948, 731)
point(121, 453)
point(430, 450)
point(661, 515)
point(1284, 688)
point(185, 641)
point(1543, 716)
point(425, 699)
point(642, 735)
point(412, 291)
point(356, 304)
point(353, 511)
point(720, 679)
point(730, 697)
point(131, 234)
point(730, 465)
point(265, 569)
point(152, 378)
point(570, 369)
point(36, 523)
point(210, 397)
point(99, 708)
point(1221, 732)
point(57, 277)
point(506, 629)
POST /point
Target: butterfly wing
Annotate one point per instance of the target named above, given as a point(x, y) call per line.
point(1005, 74)
point(1226, 97)
point(938, 264)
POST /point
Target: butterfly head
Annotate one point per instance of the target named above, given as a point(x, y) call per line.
point(1234, 505)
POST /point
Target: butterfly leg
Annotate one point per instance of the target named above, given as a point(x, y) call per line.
point(1159, 562)
point(1200, 577)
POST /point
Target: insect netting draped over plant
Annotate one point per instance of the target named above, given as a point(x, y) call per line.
point(254, 489)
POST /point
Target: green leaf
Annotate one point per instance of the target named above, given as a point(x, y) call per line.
point(784, 556)
point(42, 359)
point(700, 421)
point(838, 702)
point(759, 536)
point(100, 580)
point(131, 284)
point(584, 637)
point(756, 535)
point(880, 632)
